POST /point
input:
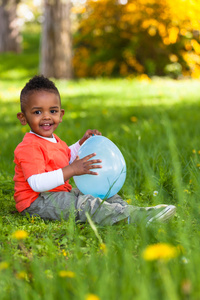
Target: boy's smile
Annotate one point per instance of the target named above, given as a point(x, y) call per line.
point(42, 112)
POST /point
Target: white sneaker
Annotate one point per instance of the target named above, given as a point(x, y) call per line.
point(161, 213)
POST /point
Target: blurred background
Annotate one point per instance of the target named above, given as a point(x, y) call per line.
point(93, 38)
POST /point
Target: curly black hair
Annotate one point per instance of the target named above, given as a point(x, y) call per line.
point(37, 83)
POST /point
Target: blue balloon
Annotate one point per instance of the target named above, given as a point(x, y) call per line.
point(111, 177)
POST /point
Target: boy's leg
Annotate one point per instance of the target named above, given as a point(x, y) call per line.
point(103, 212)
point(53, 205)
point(114, 210)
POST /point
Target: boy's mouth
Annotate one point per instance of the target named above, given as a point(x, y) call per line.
point(46, 126)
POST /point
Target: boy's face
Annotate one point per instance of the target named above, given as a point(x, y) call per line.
point(42, 112)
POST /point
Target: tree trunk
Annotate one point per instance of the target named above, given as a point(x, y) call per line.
point(56, 52)
point(9, 32)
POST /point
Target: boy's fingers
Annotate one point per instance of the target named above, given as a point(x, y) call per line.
point(91, 132)
point(95, 166)
point(96, 132)
point(93, 160)
point(93, 173)
point(91, 164)
point(89, 156)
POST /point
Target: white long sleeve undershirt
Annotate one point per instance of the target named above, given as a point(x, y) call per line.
point(50, 180)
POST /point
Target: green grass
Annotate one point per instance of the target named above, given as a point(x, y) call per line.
point(159, 152)
point(158, 149)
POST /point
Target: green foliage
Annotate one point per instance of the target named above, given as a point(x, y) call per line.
point(155, 124)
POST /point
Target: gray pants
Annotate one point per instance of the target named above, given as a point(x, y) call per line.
point(54, 206)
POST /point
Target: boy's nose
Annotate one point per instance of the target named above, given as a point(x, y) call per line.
point(46, 116)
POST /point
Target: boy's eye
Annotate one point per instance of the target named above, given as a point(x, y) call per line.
point(37, 112)
point(53, 111)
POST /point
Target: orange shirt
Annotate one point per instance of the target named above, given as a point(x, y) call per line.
point(35, 155)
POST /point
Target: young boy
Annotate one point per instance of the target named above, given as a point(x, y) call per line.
point(44, 165)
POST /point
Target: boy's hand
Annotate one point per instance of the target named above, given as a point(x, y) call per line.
point(81, 166)
point(88, 134)
point(84, 165)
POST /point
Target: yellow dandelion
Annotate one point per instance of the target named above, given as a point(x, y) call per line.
point(103, 247)
point(4, 265)
point(198, 165)
point(160, 251)
point(22, 275)
point(129, 201)
point(92, 297)
point(186, 191)
point(20, 234)
point(134, 119)
point(33, 219)
point(64, 252)
point(64, 273)
point(194, 151)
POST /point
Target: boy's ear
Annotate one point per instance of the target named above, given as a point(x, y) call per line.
point(22, 118)
point(62, 112)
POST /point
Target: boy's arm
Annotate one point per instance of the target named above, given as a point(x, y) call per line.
point(46, 181)
point(74, 151)
point(50, 180)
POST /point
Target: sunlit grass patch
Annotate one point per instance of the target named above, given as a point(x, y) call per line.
point(155, 125)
